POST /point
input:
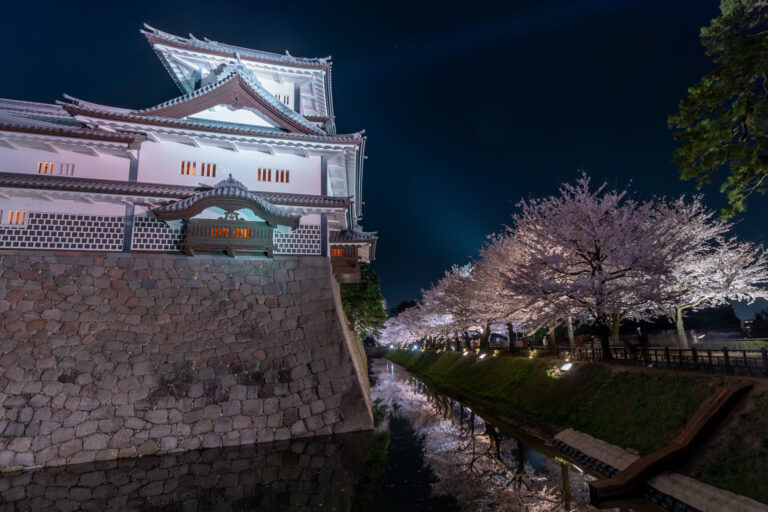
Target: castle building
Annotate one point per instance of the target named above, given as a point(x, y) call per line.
point(245, 161)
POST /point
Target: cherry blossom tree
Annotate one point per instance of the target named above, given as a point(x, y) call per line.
point(727, 270)
point(596, 252)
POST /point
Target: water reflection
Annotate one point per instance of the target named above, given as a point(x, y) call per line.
point(483, 468)
point(291, 476)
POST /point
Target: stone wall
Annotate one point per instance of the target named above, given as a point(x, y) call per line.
point(117, 355)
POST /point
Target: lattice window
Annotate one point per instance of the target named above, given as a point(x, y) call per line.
point(281, 175)
point(302, 240)
point(61, 169)
point(205, 169)
point(65, 231)
point(337, 252)
point(16, 218)
point(44, 167)
point(149, 234)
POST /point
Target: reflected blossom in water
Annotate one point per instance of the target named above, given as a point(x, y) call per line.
point(483, 470)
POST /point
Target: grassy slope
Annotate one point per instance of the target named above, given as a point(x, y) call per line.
point(740, 463)
point(635, 410)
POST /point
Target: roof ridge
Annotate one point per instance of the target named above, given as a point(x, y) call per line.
point(215, 45)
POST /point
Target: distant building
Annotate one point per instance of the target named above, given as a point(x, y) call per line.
point(246, 160)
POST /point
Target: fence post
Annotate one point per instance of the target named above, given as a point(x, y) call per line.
point(727, 361)
point(593, 350)
point(765, 360)
point(709, 356)
point(746, 363)
point(695, 358)
point(666, 356)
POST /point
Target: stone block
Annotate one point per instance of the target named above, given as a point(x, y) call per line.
point(86, 428)
point(156, 416)
point(95, 442)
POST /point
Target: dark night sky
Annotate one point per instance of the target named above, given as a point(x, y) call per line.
point(467, 107)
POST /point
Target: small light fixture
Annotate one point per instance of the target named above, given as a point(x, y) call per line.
point(566, 367)
point(483, 355)
point(465, 353)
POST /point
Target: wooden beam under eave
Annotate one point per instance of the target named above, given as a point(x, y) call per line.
point(49, 147)
point(9, 144)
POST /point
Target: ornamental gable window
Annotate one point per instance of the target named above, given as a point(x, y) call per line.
point(280, 175)
point(204, 169)
point(59, 169)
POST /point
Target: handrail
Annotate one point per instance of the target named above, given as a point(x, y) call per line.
point(709, 414)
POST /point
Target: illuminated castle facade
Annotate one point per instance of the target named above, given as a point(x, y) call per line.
point(245, 161)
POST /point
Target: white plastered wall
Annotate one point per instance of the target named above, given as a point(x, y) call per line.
point(159, 162)
point(24, 160)
point(39, 204)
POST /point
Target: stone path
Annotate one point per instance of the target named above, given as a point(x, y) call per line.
point(697, 495)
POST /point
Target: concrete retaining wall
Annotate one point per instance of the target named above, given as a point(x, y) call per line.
point(116, 355)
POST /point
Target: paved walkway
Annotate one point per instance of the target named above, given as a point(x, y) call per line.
point(697, 494)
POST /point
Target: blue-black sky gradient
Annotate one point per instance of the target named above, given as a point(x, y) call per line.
point(468, 107)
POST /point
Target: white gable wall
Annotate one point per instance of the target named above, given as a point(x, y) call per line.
point(229, 114)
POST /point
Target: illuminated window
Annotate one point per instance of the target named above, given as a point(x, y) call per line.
point(219, 232)
point(44, 167)
point(241, 233)
point(67, 169)
point(189, 168)
point(281, 175)
point(17, 217)
point(337, 252)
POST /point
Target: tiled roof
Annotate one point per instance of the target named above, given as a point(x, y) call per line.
point(18, 180)
point(305, 200)
point(46, 119)
point(80, 107)
point(36, 181)
point(250, 80)
point(350, 236)
point(229, 188)
point(207, 45)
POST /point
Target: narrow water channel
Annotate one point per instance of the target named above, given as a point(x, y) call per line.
point(429, 453)
point(466, 462)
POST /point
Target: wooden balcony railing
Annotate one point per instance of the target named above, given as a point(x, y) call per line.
point(228, 236)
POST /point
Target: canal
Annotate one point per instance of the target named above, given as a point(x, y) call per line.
point(429, 453)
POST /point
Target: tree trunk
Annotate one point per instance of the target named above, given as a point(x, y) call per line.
point(681, 338)
point(615, 323)
point(467, 344)
point(552, 340)
point(571, 339)
point(485, 337)
point(605, 342)
point(511, 331)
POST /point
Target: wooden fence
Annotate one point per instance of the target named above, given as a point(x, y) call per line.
point(750, 362)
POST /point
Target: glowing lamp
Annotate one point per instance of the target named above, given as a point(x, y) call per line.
point(566, 367)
